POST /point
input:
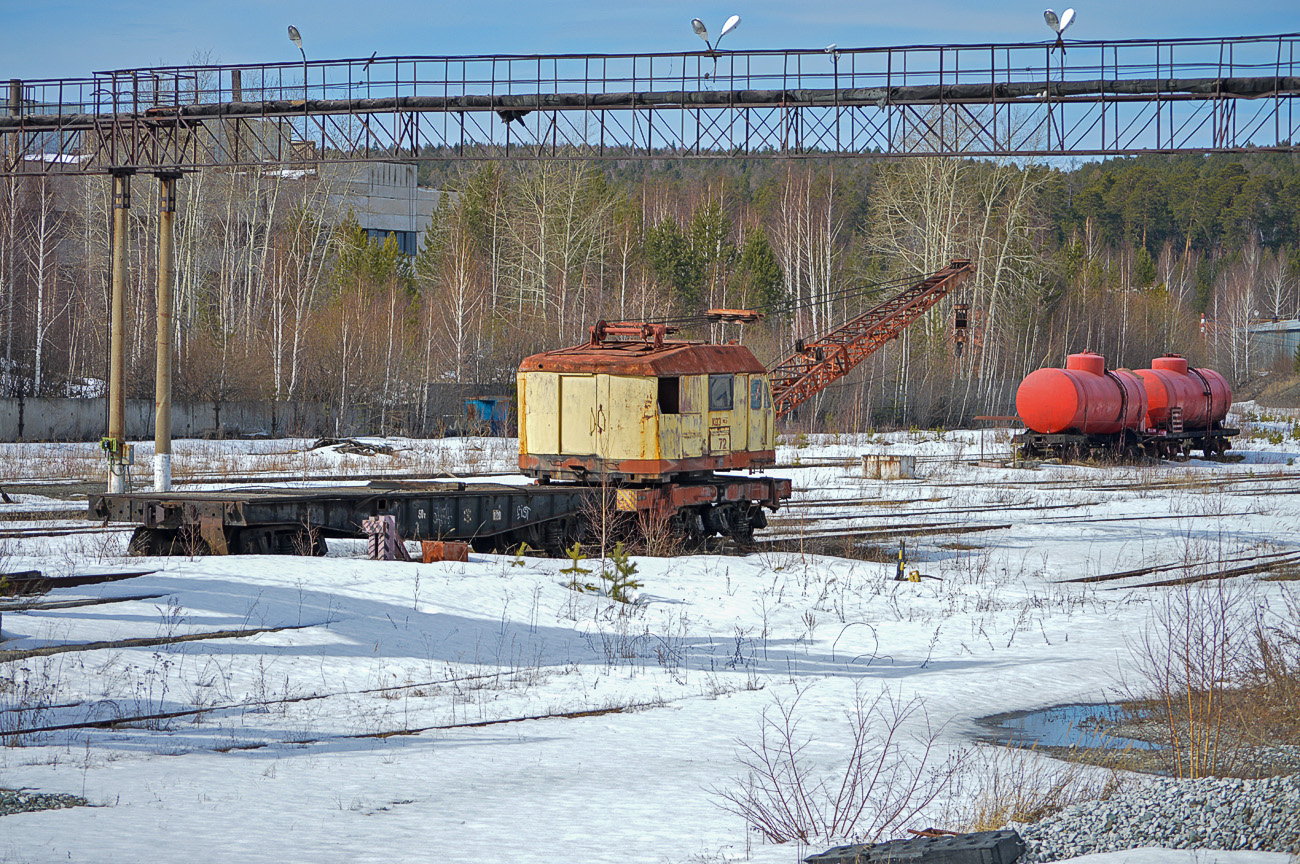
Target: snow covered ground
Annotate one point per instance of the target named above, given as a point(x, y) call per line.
point(382, 713)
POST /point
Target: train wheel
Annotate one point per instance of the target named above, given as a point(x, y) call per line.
point(553, 536)
point(696, 534)
point(151, 541)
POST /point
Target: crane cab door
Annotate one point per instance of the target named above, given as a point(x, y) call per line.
point(694, 402)
point(578, 415)
point(760, 414)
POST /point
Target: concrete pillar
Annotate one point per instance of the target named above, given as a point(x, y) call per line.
point(162, 459)
point(115, 443)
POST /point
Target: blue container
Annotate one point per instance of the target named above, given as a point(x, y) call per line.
point(490, 412)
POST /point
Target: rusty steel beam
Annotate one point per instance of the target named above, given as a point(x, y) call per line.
point(164, 335)
point(522, 104)
point(820, 362)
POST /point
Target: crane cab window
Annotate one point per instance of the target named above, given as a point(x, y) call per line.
point(755, 394)
point(670, 395)
point(720, 392)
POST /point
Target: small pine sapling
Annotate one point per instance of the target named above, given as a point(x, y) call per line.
point(619, 582)
point(575, 570)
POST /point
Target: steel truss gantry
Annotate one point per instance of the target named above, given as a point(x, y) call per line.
point(1099, 98)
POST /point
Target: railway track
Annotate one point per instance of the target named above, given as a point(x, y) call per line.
point(29, 533)
point(43, 515)
point(1270, 558)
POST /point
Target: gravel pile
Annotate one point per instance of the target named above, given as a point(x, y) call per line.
point(1212, 813)
point(21, 801)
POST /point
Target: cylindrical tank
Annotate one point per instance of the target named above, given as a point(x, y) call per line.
point(1203, 394)
point(1082, 398)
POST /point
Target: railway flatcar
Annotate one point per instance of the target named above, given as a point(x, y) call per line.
point(1167, 411)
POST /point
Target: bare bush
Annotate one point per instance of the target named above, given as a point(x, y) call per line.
point(1273, 687)
point(881, 784)
point(1195, 648)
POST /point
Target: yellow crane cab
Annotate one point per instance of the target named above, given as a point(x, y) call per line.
point(643, 409)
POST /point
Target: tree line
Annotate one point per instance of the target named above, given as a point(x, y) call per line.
point(281, 294)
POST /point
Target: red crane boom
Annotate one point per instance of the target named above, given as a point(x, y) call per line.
point(824, 360)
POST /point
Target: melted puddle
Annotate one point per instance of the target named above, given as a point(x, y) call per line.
point(1081, 726)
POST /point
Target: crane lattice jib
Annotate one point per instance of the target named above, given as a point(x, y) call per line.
point(826, 359)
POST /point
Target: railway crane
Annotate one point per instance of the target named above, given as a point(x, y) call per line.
point(662, 424)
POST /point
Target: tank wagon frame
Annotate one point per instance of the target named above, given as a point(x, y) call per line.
point(1213, 442)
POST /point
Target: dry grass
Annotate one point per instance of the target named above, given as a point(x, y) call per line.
point(200, 461)
point(1008, 784)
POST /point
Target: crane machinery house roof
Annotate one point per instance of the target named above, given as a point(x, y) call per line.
point(646, 359)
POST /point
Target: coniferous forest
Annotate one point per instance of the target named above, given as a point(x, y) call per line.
point(281, 295)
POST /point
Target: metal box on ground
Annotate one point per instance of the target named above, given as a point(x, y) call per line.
point(443, 550)
point(876, 467)
point(984, 847)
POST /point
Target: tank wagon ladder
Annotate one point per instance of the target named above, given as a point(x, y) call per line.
point(819, 362)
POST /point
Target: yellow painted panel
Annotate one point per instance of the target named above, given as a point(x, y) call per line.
point(577, 415)
point(692, 395)
point(769, 417)
point(629, 417)
point(670, 436)
point(693, 400)
point(692, 435)
point(538, 400)
point(740, 413)
point(523, 412)
point(761, 416)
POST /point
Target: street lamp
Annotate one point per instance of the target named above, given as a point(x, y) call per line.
point(1066, 19)
point(700, 30)
point(296, 38)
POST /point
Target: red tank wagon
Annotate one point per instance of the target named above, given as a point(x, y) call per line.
point(1168, 410)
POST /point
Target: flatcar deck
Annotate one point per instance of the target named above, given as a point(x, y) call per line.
point(490, 515)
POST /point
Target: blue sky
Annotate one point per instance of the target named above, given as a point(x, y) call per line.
point(73, 38)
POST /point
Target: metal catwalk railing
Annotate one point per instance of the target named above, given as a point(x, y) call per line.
point(1097, 98)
